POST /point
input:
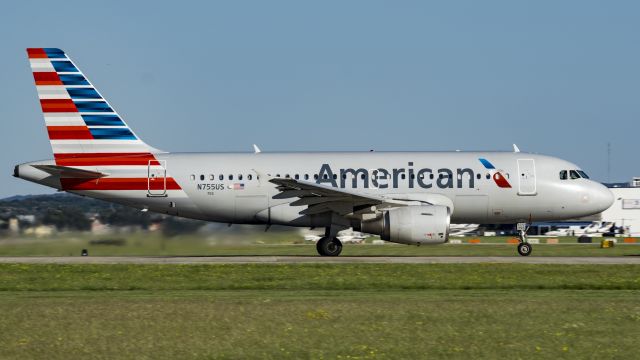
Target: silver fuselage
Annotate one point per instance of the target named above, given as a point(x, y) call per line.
point(210, 186)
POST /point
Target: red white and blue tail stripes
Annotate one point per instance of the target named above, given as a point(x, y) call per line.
point(79, 120)
point(85, 131)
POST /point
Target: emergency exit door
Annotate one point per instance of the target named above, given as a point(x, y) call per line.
point(157, 178)
point(526, 177)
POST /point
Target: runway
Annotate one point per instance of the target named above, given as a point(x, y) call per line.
point(318, 260)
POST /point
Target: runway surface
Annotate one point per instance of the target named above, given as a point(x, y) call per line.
point(316, 260)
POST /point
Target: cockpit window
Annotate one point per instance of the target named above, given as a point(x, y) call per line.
point(583, 174)
point(574, 174)
point(563, 175)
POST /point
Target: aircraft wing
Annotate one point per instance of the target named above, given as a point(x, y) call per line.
point(321, 198)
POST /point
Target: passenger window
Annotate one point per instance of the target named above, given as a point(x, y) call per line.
point(193, 177)
point(479, 176)
point(488, 176)
point(362, 176)
point(403, 176)
point(563, 175)
point(230, 177)
point(202, 177)
point(221, 177)
point(306, 176)
point(287, 176)
point(240, 177)
point(212, 177)
point(249, 177)
point(574, 174)
point(296, 176)
point(315, 176)
point(335, 176)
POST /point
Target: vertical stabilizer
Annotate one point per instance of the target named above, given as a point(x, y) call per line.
point(83, 128)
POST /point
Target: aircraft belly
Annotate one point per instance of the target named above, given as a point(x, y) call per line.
point(470, 209)
point(247, 206)
point(285, 214)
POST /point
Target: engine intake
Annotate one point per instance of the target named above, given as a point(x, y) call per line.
point(415, 225)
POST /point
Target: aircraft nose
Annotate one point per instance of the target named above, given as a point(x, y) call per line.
point(601, 197)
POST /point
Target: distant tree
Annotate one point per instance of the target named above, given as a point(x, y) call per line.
point(123, 216)
point(174, 226)
point(67, 218)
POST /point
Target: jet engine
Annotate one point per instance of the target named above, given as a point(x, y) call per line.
point(414, 225)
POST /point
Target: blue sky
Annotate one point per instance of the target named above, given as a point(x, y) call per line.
point(556, 77)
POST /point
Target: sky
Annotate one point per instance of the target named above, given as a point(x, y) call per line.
point(555, 77)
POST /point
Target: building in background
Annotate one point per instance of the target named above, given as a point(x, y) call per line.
point(625, 211)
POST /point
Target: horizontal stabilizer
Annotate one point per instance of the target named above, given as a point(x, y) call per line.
point(69, 172)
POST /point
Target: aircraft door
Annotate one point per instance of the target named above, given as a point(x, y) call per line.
point(157, 178)
point(526, 177)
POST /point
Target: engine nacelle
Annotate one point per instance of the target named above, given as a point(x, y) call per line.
point(415, 225)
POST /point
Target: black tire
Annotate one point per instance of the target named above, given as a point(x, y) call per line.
point(327, 246)
point(525, 249)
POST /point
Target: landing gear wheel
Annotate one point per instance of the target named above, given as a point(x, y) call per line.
point(524, 249)
point(328, 246)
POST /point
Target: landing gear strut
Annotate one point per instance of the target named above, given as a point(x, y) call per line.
point(329, 246)
point(524, 248)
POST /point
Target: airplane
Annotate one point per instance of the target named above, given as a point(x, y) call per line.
point(404, 197)
point(573, 230)
point(463, 229)
point(345, 237)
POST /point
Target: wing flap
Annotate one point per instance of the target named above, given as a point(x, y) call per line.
point(313, 200)
point(321, 199)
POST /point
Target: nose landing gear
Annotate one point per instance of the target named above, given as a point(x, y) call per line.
point(524, 248)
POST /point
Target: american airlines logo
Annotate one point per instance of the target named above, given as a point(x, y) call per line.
point(426, 178)
point(497, 176)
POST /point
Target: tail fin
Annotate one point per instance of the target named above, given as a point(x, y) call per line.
point(83, 128)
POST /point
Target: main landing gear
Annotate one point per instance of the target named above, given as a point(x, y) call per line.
point(329, 246)
point(524, 248)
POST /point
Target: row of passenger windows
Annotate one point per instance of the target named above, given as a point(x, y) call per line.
point(240, 177)
point(221, 177)
point(573, 174)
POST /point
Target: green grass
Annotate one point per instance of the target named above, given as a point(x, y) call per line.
point(55, 277)
point(280, 244)
point(319, 311)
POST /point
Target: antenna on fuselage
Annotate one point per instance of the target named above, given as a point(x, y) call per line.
point(256, 149)
point(515, 148)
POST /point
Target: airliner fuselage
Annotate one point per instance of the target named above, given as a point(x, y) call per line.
point(235, 187)
point(405, 197)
